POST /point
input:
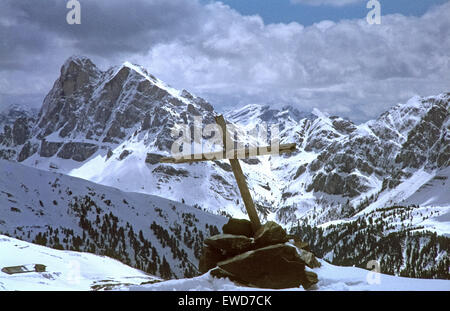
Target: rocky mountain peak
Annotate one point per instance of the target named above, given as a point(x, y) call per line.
point(254, 114)
point(76, 72)
point(115, 123)
point(88, 109)
point(295, 113)
point(396, 123)
point(76, 64)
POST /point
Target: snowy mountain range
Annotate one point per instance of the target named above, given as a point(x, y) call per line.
point(111, 127)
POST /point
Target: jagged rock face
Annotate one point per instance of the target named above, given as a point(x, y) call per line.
point(153, 158)
point(410, 136)
point(343, 126)
point(11, 113)
point(428, 142)
point(90, 112)
point(170, 171)
point(49, 149)
point(104, 108)
point(21, 131)
point(77, 151)
point(27, 150)
point(309, 258)
point(107, 106)
point(6, 137)
point(15, 133)
point(60, 108)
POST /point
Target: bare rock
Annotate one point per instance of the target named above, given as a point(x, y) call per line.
point(209, 259)
point(238, 227)
point(125, 154)
point(310, 279)
point(77, 151)
point(309, 258)
point(49, 149)
point(230, 244)
point(302, 245)
point(269, 234)
point(276, 266)
point(153, 158)
point(20, 131)
point(28, 149)
point(170, 171)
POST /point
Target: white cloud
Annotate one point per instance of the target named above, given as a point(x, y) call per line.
point(349, 68)
point(326, 2)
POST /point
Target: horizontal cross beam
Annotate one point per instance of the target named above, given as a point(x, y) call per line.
point(244, 153)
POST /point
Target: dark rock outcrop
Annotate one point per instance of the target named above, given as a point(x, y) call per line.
point(209, 259)
point(27, 150)
point(153, 158)
point(170, 171)
point(270, 233)
point(238, 227)
point(20, 131)
point(310, 279)
point(302, 245)
point(124, 154)
point(265, 261)
point(49, 149)
point(230, 244)
point(77, 151)
point(300, 171)
point(309, 258)
point(251, 161)
point(276, 266)
point(109, 154)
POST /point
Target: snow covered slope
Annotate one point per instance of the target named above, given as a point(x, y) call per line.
point(65, 270)
point(154, 234)
point(435, 192)
point(111, 127)
point(68, 270)
point(331, 278)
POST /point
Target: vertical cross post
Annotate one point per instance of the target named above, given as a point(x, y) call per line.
point(239, 175)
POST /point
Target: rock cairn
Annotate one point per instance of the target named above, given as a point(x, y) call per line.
point(268, 258)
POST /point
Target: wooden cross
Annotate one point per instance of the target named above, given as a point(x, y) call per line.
point(233, 156)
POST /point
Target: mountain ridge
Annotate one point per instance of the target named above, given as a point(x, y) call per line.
point(92, 117)
point(111, 127)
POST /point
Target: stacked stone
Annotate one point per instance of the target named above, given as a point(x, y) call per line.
point(268, 258)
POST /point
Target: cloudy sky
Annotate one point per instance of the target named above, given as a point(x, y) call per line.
point(306, 53)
